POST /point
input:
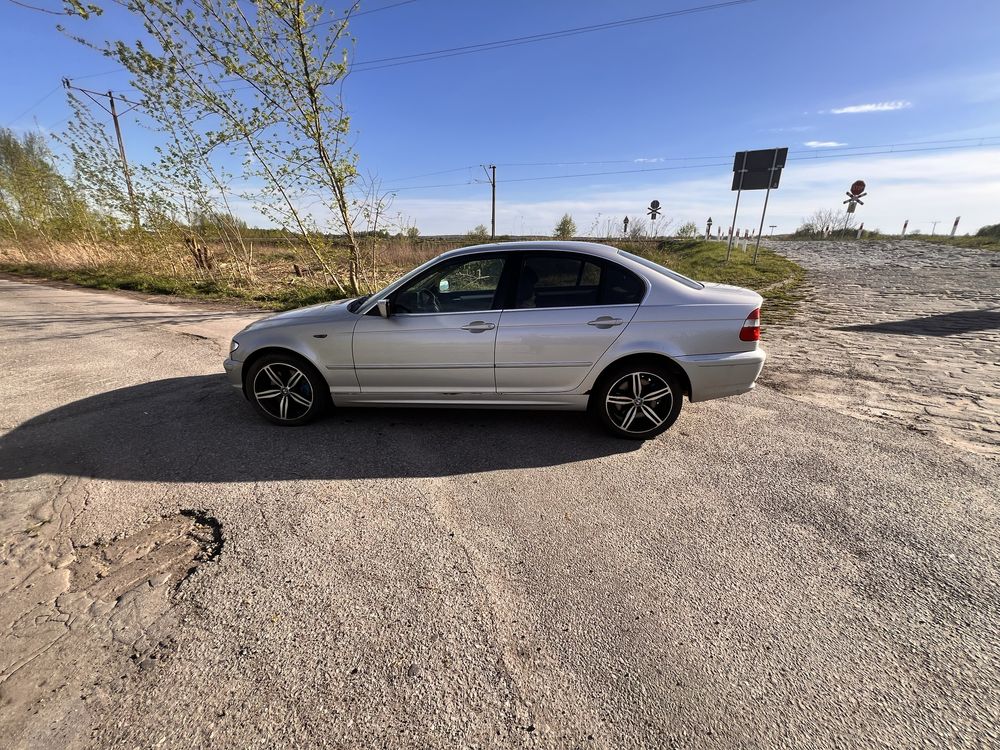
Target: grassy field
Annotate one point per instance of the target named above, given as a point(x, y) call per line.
point(778, 279)
point(984, 243)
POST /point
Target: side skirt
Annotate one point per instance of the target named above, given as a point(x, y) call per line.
point(466, 400)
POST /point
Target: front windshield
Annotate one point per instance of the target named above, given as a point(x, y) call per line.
point(663, 271)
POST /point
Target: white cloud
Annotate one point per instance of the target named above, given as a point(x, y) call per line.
point(651, 160)
point(873, 107)
point(823, 144)
point(791, 129)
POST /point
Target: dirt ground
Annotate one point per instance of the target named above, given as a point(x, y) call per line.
point(813, 564)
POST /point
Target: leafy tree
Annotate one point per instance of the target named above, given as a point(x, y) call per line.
point(689, 229)
point(260, 83)
point(825, 219)
point(35, 199)
point(566, 228)
point(479, 232)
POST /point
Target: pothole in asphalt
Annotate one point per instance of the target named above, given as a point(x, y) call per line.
point(167, 551)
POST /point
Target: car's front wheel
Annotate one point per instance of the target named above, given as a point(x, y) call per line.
point(637, 401)
point(285, 389)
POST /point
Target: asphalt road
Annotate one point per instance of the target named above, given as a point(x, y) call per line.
point(769, 573)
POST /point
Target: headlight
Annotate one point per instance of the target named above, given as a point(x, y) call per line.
point(234, 345)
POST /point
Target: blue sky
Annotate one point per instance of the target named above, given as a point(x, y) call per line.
point(770, 72)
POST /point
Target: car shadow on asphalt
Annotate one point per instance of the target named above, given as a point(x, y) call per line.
point(946, 324)
point(199, 429)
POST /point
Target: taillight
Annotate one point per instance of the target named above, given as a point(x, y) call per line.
point(751, 327)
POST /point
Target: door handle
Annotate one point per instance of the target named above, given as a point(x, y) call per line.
point(478, 326)
point(605, 321)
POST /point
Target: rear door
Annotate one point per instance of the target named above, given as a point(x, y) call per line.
point(565, 311)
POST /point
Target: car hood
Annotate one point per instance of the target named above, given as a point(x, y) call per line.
point(326, 310)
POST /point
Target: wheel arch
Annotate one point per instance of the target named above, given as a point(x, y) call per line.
point(646, 357)
point(264, 351)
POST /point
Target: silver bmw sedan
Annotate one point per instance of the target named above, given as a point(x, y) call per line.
point(534, 325)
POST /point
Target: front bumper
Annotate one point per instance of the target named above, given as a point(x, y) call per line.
point(234, 372)
point(720, 375)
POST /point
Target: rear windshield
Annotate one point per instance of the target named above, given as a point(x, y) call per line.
point(660, 269)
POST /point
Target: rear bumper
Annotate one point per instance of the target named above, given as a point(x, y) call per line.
point(720, 375)
point(234, 372)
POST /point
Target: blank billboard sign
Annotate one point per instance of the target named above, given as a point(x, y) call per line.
point(759, 170)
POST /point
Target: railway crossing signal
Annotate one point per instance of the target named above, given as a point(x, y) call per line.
point(854, 196)
point(653, 210)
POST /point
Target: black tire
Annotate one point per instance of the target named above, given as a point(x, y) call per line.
point(630, 416)
point(286, 390)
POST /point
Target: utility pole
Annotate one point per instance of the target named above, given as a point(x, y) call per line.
point(112, 110)
point(934, 226)
point(773, 227)
point(491, 175)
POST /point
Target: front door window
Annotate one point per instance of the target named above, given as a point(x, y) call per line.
point(460, 286)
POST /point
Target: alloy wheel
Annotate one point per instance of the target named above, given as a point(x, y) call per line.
point(283, 391)
point(639, 402)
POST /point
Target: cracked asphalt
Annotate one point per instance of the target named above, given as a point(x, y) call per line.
point(772, 572)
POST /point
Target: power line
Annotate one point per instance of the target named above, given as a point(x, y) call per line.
point(35, 105)
point(389, 62)
point(316, 25)
point(364, 13)
point(363, 66)
point(432, 174)
point(813, 152)
point(727, 163)
point(806, 154)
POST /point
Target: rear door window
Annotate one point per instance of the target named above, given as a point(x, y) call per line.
point(558, 281)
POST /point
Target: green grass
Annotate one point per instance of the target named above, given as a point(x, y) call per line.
point(776, 278)
point(983, 243)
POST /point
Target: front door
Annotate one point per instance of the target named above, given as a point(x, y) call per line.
point(441, 334)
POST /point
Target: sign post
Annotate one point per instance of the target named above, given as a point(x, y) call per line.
point(756, 170)
point(854, 196)
point(742, 170)
point(954, 227)
point(653, 211)
point(905, 225)
point(760, 230)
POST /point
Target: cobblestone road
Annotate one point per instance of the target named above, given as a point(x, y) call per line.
point(899, 331)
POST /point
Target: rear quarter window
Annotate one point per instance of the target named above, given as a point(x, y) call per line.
point(621, 286)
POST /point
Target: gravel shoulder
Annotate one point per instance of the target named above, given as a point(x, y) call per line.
point(176, 573)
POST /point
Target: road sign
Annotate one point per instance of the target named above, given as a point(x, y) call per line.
point(653, 210)
point(854, 196)
point(758, 170)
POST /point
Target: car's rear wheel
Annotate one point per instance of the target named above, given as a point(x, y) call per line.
point(286, 390)
point(637, 401)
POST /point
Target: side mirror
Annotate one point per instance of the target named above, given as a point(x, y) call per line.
point(443, 285)
point(384, 308)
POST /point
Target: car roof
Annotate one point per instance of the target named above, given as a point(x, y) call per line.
point(590, 248)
